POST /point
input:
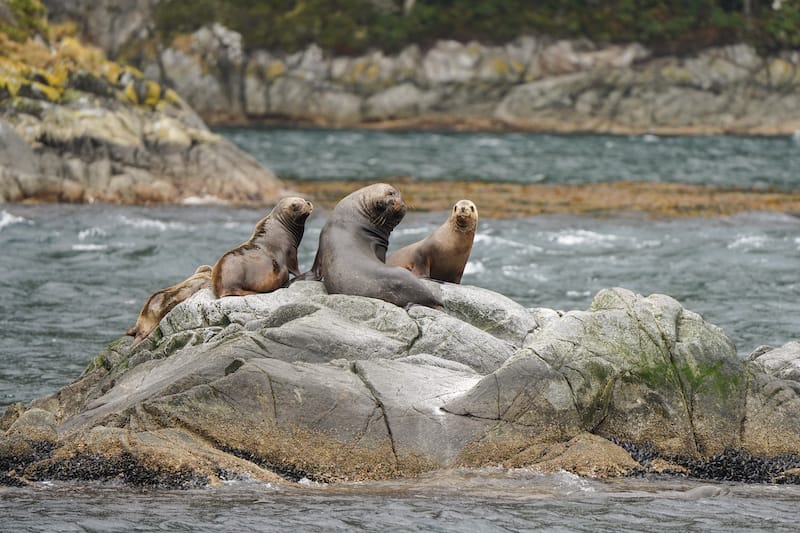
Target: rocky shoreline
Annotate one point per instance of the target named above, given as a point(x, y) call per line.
point(299, 384)
point(534, 83)
point(78, 128)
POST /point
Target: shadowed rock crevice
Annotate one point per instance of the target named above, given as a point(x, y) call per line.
point(379, 404)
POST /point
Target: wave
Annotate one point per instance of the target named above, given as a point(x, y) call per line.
point(91, 232)
point(89, 247)
point(7, 219)
point(581, 237)
point(150, 223)
point(492, 239)
point(748, 242)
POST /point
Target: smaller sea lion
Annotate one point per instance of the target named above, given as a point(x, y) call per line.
point(161, 302)
point(443, 254)
point(263, 262)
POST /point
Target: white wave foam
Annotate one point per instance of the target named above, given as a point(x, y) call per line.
point(581, 237)
point(206, 199)
point(650, 138)
point(648, 244)
point(748, 241)
point(578, 294)
point(151, 223)
point(91, 232)
point(488, 141)
point(7, 219)
point(491, 239)
point(573, 481)
point(474, 267)
point(89, 247)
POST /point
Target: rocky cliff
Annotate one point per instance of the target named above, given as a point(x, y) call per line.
point(301, 384)
point(533, 83)
point(76, 127)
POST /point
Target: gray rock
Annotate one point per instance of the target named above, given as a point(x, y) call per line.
point(337, 387)
point(771, 425)
point(589, 370)
point(399, 101)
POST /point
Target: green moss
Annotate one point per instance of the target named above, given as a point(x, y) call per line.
point(711, 378)
point(708, 378)
point(657, 376)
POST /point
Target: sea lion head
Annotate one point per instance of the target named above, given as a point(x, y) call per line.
point(465, 216)
point(381, 204)
point(295, 208)
point(291, 212)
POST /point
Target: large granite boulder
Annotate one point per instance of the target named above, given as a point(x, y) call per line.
point(298, 383)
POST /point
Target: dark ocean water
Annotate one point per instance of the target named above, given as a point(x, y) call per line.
point(73, 278)
point(523, 157)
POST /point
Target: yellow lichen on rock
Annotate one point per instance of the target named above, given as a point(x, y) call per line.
point(274, 70)
point(152, 93)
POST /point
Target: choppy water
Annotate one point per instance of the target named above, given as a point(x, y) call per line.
point(487, 500)
point(524, 157)
point(73, 278)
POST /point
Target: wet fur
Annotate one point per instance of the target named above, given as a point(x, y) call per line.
point(163, 301)
point(442, 255)
point(264, 262)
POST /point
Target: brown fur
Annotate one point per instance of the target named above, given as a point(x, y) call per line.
point(263, 263)
point(442, 255)
point(162, 302)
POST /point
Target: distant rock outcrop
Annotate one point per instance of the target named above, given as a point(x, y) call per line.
point(534, 82)
point(75, 127)
point(298, 383)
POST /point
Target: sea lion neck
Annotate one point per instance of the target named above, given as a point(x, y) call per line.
point(463, 224)
point(294, 225)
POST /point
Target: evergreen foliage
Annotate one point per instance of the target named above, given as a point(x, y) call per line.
point(353, 26)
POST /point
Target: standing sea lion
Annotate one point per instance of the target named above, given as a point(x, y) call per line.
point(352, 250)
point(161, 302)
point(263, 263)
point(444, 253)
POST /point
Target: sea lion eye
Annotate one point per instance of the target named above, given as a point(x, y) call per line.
point(472, 208)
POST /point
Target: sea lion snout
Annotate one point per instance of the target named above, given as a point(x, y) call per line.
point(300, 207)
point(466, 213)
point(303, 206)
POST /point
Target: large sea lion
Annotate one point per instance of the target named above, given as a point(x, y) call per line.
point(161, 302)
point(443, 254)
point(352, 250)
point(263, 263)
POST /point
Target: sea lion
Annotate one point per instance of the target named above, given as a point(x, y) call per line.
point(263, 262)
point(443, 254)
point(161, 302)
point(352, 250)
